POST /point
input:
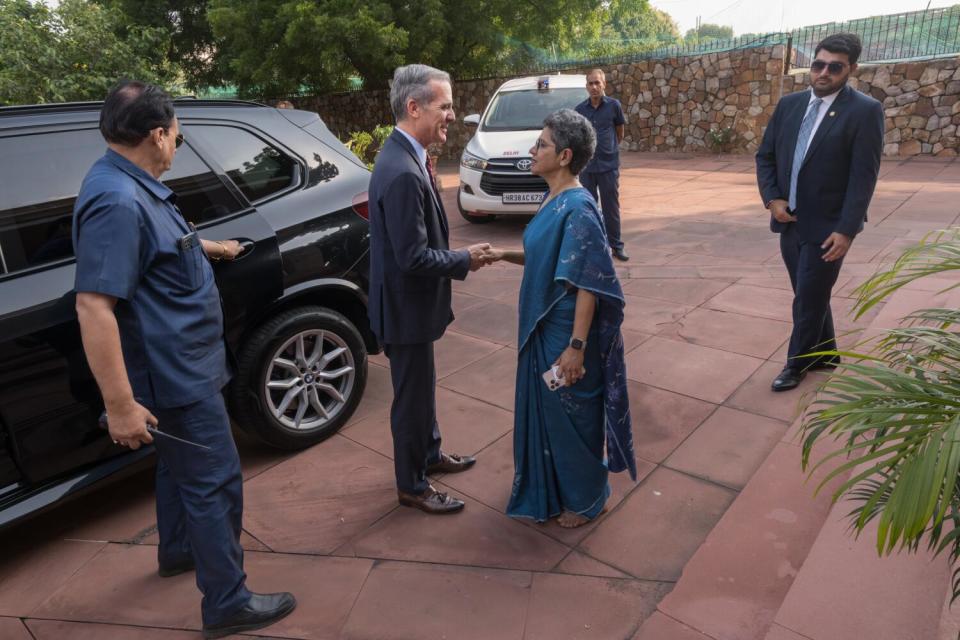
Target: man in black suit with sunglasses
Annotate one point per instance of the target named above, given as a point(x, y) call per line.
point(817, 168)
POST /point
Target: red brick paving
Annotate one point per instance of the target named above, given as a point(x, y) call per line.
point(706, 327)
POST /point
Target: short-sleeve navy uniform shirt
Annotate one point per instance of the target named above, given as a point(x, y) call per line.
point(127, 235)
point(605, 119)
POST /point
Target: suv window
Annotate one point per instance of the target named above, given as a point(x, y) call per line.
point(258, 168)
point(41, 177)
point(42, 174)
point(201, 195)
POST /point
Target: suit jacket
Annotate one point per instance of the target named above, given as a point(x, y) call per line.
point(410, 259)
point(839, 171)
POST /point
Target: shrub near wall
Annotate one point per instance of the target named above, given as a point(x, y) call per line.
point(671, 104)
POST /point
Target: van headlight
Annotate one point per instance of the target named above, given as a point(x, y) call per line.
point(471, 161)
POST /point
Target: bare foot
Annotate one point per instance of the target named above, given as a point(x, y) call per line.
point(569, 520)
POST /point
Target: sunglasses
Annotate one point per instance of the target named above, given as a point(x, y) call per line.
point(833, 68)
point(178, 141)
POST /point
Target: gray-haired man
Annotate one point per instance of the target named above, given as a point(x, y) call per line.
point(411, 265)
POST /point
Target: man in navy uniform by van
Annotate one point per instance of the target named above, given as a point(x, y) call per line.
point(152, 328)
point(601, 176)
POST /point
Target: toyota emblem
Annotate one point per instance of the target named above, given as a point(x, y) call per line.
point(524, 165)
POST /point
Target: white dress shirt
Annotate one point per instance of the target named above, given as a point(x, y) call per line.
point(821, 113)
point(417, 148)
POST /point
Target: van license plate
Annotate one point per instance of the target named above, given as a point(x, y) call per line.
point(522, 198)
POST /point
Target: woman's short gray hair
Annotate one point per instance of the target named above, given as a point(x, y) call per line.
point(413, 81)
point(572, 131)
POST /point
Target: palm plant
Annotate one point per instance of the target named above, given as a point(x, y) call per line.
point(895, 407)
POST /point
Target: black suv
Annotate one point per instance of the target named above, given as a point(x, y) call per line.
point(294, 301)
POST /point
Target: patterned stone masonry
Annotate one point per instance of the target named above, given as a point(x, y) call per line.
point(672, 104)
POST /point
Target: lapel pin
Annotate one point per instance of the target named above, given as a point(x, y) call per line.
point(833, 113)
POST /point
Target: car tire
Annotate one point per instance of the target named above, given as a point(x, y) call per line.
point(472, 218)
point(285, 382)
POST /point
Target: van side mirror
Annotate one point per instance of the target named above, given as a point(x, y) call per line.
point(472, 120)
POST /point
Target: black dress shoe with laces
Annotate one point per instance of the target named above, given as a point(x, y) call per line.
point(170, 570)
point(262, 610)
point(620, 255)
point(431, 501)
point(451, 463)
point(789, 378)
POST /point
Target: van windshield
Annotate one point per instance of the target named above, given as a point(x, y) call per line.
point(525, 110)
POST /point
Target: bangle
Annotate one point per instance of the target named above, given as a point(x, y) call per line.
point(223, 250)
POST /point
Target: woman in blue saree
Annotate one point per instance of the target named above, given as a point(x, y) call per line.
point(571, 309)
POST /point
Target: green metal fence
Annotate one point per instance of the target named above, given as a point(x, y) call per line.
point(915, 35)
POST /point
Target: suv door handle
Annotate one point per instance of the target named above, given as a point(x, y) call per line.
point(246, 246)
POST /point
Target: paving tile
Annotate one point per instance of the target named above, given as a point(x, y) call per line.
point(687, 291)
point(494, 321)
point(326, 589)
point(689, 369)
point(662, 419)
point(316, 501)
point(33, 568)
point(749, 335)
point(580, 564)
point(462, 301)
point(454, 351)
point(756, 396)
point(13, 629)
point(402, 601)
point(659, 526)
point(247, 541)
point(491, 479)
point(733, 586)
point(648, 315)
point(466, 425)
point(620, 487)
point(120, 585)
point(777, 632)
point(491, 379)
point(59, 630)
point(379, 386)
point(583, 607)
point(491, 287)
point(477, 536)
point(661, 627)
point(728, 447)
point(897, 597)
point(754, 301)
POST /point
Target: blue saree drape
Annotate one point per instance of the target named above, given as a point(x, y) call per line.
point(560, 436)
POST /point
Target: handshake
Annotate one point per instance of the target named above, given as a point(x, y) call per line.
point(483, 254)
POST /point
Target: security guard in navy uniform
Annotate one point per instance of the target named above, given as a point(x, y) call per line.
point(152, 327)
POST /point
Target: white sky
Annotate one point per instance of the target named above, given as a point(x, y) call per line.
point(762, 16)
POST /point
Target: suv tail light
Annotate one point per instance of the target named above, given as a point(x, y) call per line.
point(361, 205)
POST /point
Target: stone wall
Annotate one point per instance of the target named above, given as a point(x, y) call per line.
point(672, 104)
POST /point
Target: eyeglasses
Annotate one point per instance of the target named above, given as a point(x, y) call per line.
point(178, 141)
point(833, 68)
point(540, 144)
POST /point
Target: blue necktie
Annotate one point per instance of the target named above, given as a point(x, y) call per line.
point(803, 139)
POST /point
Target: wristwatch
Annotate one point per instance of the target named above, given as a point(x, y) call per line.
point(577, 343)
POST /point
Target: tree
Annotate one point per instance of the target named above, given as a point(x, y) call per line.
point(272, 48)
point(708, 32)
point(635, 21)
point(72, 52)
point(896, 410)
point(190, 41)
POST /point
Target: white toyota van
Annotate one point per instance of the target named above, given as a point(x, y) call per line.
point(495, 176)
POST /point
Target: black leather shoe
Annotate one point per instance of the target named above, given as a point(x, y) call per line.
point(789, 378)
point(431, 501)
point(169, 571)
point(452, 463)
point(620, 255)
point(262, 610)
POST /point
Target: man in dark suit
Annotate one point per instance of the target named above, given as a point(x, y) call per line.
point(411, 265)
point(816, 168)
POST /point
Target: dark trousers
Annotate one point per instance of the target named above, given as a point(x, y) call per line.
point(200, 503)
point(608, 186)
point(413, 415)
point(812, 279)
